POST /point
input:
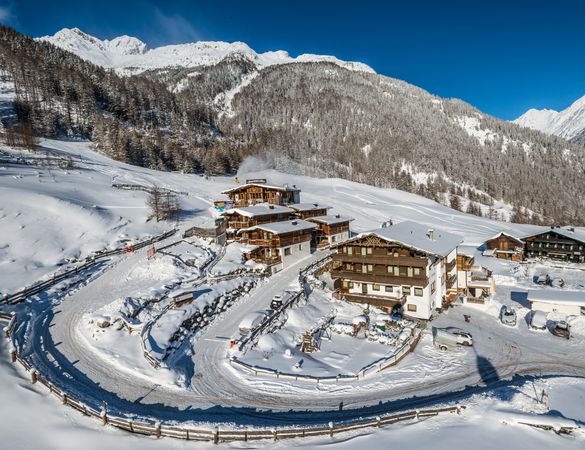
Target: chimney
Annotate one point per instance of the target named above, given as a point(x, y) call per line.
point(315, 204)
point(294, 222)
point(337, 216)
point(271, 206)
point(430, 234)
point(571, 229)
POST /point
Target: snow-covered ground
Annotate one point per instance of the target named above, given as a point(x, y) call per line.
point(49, 215)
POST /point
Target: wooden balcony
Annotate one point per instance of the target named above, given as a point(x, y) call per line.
point(386, 260)
point(451, 265)
point(379, 278)
point(374, 300)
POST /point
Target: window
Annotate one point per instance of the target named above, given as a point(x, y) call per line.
point(364, 268)
point(376, 287)
point(287, 251)
point(406, 290)
point(350, 250)
point(411, 308)
point(370, 250)
point(332, 238)
point(433, 287)
point(345, 284)
point(300, 246)
point(394, 270)
point(363, 251)
point(344, 249)
point(409, 272)
point(418, 292)
point(348, 266)
point(417, 271)
point(370, 268)
point(388, 288)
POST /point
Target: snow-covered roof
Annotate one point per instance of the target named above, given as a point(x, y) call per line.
point(285, 227)
point(305, 207)
point(516, 237)
point(569, 232)
point(263, 209)
point(557, 296)
point(286, 187)
point(418, 236)
point(330, 219)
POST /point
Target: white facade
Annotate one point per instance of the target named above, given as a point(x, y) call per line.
point(335, 238)
point(293, 253)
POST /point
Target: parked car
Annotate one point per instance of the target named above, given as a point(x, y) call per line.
point(538, 320)
point(251, 321)
point(561, 329)
point(277, 302)
point(444, 340)
point(463, 337)
point(508, 316)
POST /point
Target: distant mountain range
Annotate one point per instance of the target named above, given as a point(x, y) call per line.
point(206, 106)
point(568, 123)
point(129, 55)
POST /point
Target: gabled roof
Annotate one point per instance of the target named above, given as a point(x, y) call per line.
point(284, 188)
point(305, 207)
point(516, 237)
point(287, 226)
point(416, 235)
point(263, 209)
point(330, 219)
point(568, 232)
point(557, 296)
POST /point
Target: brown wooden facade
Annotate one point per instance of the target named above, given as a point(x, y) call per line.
point(237, 221)
point(325, 231)
point(256, 193)
point(309, 213)
point(554, 245)
point(505, 246)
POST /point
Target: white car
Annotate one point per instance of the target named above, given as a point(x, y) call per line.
point(463, 337)
point(508, 316)
point(538, 320)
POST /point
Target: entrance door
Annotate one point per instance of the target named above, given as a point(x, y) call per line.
point(364, 288)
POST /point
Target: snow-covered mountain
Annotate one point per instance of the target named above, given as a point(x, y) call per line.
point(130, 55)
point(568, 124)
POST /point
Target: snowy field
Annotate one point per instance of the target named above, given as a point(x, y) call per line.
point(50, 215)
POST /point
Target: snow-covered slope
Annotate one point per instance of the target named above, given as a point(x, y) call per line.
point(567, 124)
point(130, 55)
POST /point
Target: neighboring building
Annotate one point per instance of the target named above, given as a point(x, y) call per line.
point(331, 229)
point(571, 303)
point(307, 210)
point(404, 264)
point(505, 246)
point(258, 191)
point(246, 217)
point(566, 244)
point(279, 243)
point(474, 282)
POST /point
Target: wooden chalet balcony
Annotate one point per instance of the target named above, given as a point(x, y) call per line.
point(451, 280)
point(451, 265)
point(375, 300)
point(386, 260)
point(262, 242)
point(379, 278)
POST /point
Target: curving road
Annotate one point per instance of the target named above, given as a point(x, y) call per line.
point(54, 343)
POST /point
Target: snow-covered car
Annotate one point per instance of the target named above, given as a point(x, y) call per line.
point(251, 321)
point(277, 302)
point(463, 337)
point(508, 316)
point(561, 329)
point(538, 320)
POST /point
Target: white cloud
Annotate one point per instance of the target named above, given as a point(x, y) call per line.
point(176, 28)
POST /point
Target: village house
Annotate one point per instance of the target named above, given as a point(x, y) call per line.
point(561, 243)
point(249, 216)
point(258, 191)
point(307, 210)
point(505, 246)
point(278, 243)
point(406, 264)
point(571, 303)
point(474, 282)
point(331, 229)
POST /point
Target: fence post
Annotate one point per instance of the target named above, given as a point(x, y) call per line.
point(216, 435)
point(275, 434)
point(331, 429)
point(157, 427)
point(33, 376)
point(64, 399)
point(378, 421)
point(12, 355)
point(104, 417)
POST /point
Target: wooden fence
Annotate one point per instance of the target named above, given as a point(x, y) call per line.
point(90, 262)
point(213, 433)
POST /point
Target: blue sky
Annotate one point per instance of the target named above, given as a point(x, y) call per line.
point(501, 56)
